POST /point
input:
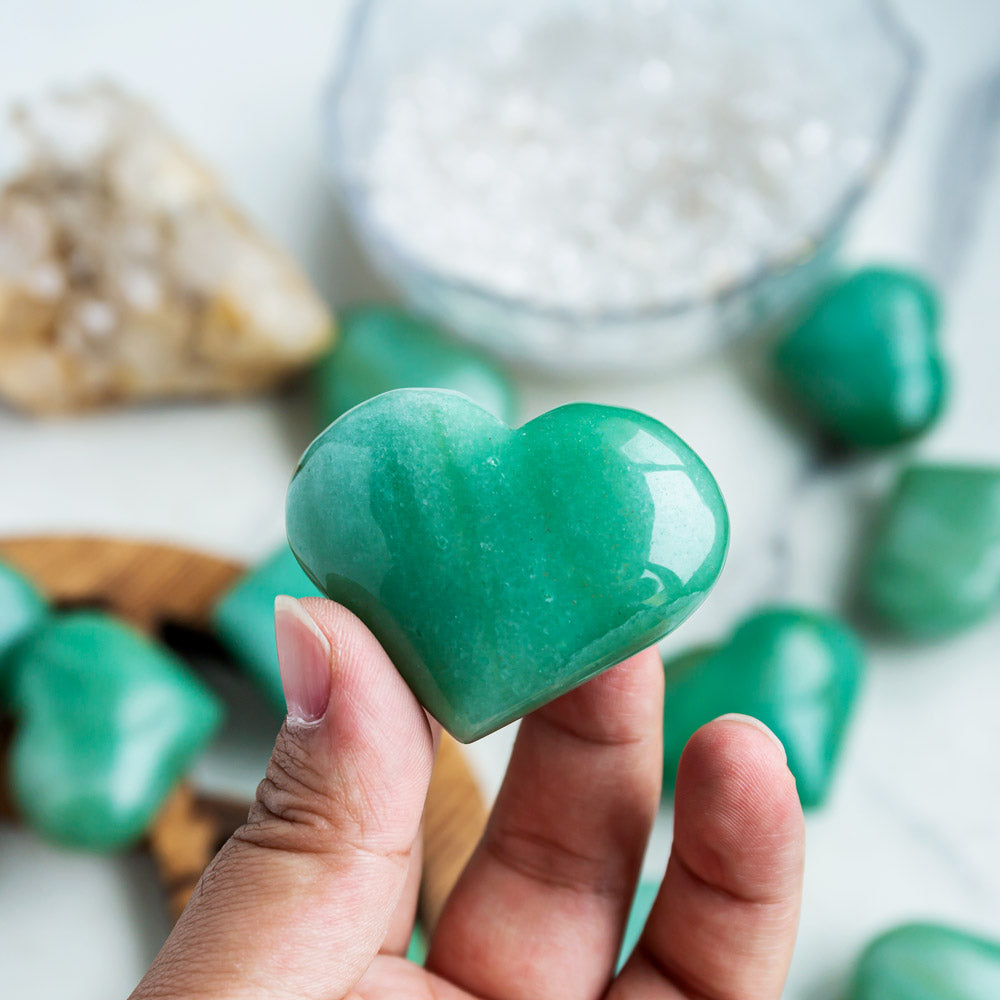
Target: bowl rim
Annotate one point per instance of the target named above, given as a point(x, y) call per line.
point(801, 248)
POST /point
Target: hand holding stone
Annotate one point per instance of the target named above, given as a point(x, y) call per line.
point(314, 897)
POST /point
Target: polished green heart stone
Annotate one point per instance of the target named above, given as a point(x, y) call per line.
point(934, 567)
point(384, 347)
point(243, 619)
point(107, 724)
point(501, 567)
point(22, 609)
point(642, 904)
point(928, 962)
point(865, 363)
point(797, 671)
point(416, 951)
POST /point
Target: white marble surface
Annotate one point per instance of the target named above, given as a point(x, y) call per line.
point(912, 828)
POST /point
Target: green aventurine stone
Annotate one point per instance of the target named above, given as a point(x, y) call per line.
point(243, 619)
point(928, 962)
point(107, 724)
point(935, 563)
point(865, 364)
point(416, 951)
point(383, 348)
point(797, 671)
point(501, 567)
point(22, 608)
point(642, 904)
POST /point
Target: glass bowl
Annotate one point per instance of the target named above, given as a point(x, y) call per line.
point(388, 38)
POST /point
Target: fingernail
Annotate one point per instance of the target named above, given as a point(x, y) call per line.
point(304, 659)
point(749, 720)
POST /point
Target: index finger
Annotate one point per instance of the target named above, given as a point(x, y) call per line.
point(540, 909)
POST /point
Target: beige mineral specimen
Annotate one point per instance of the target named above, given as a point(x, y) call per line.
point(126, 272)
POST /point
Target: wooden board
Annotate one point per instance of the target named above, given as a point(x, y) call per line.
point(156, 587)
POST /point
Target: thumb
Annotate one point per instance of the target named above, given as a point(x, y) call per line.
point(302, 897)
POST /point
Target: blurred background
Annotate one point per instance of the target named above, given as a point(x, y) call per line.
point(275, 99)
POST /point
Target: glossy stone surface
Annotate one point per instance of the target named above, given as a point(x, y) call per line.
point(865, 364)
point(383, 347)
point(928, 962)
point(501, 567)
point(107, 724)
point(934, 567)
point(797, 671)
point(22, 608)
point(243, 619)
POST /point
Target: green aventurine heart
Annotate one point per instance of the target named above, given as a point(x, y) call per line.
point(928, 962)
point(797, 671)
point(865, 363)
point(501, 567)
point(642, 905)
point(381, 348)
point(934, 568)
point(107, 723)
point(243, 619)
point(22, 609)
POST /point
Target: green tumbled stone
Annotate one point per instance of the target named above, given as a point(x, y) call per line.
point(107, 724)
point(865, 363)
point(243, 619)
point(797, 671)
point(384, 347)
point(642, 904)
point(22, 608)
point(934, 568)
point(416, 951)
point(928, 962)
point(501, 567)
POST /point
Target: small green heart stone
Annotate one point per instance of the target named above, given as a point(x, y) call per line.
point(499, 567)
point(865, 363)
point(928, 962)
point(797, 671)
point(642, 905)
point(22, 609)
point(416, 951)
point(243, 619)
point(107, 724)
point(383, 348)
point(935, 563)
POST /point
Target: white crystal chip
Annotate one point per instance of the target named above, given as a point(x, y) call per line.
point(617, 154)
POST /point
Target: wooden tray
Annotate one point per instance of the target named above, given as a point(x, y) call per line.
point(163, 587)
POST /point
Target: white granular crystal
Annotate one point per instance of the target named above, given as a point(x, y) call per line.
point(620, 155)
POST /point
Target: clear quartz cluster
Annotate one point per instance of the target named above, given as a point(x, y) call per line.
point(125, 272)
point(620, 153)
